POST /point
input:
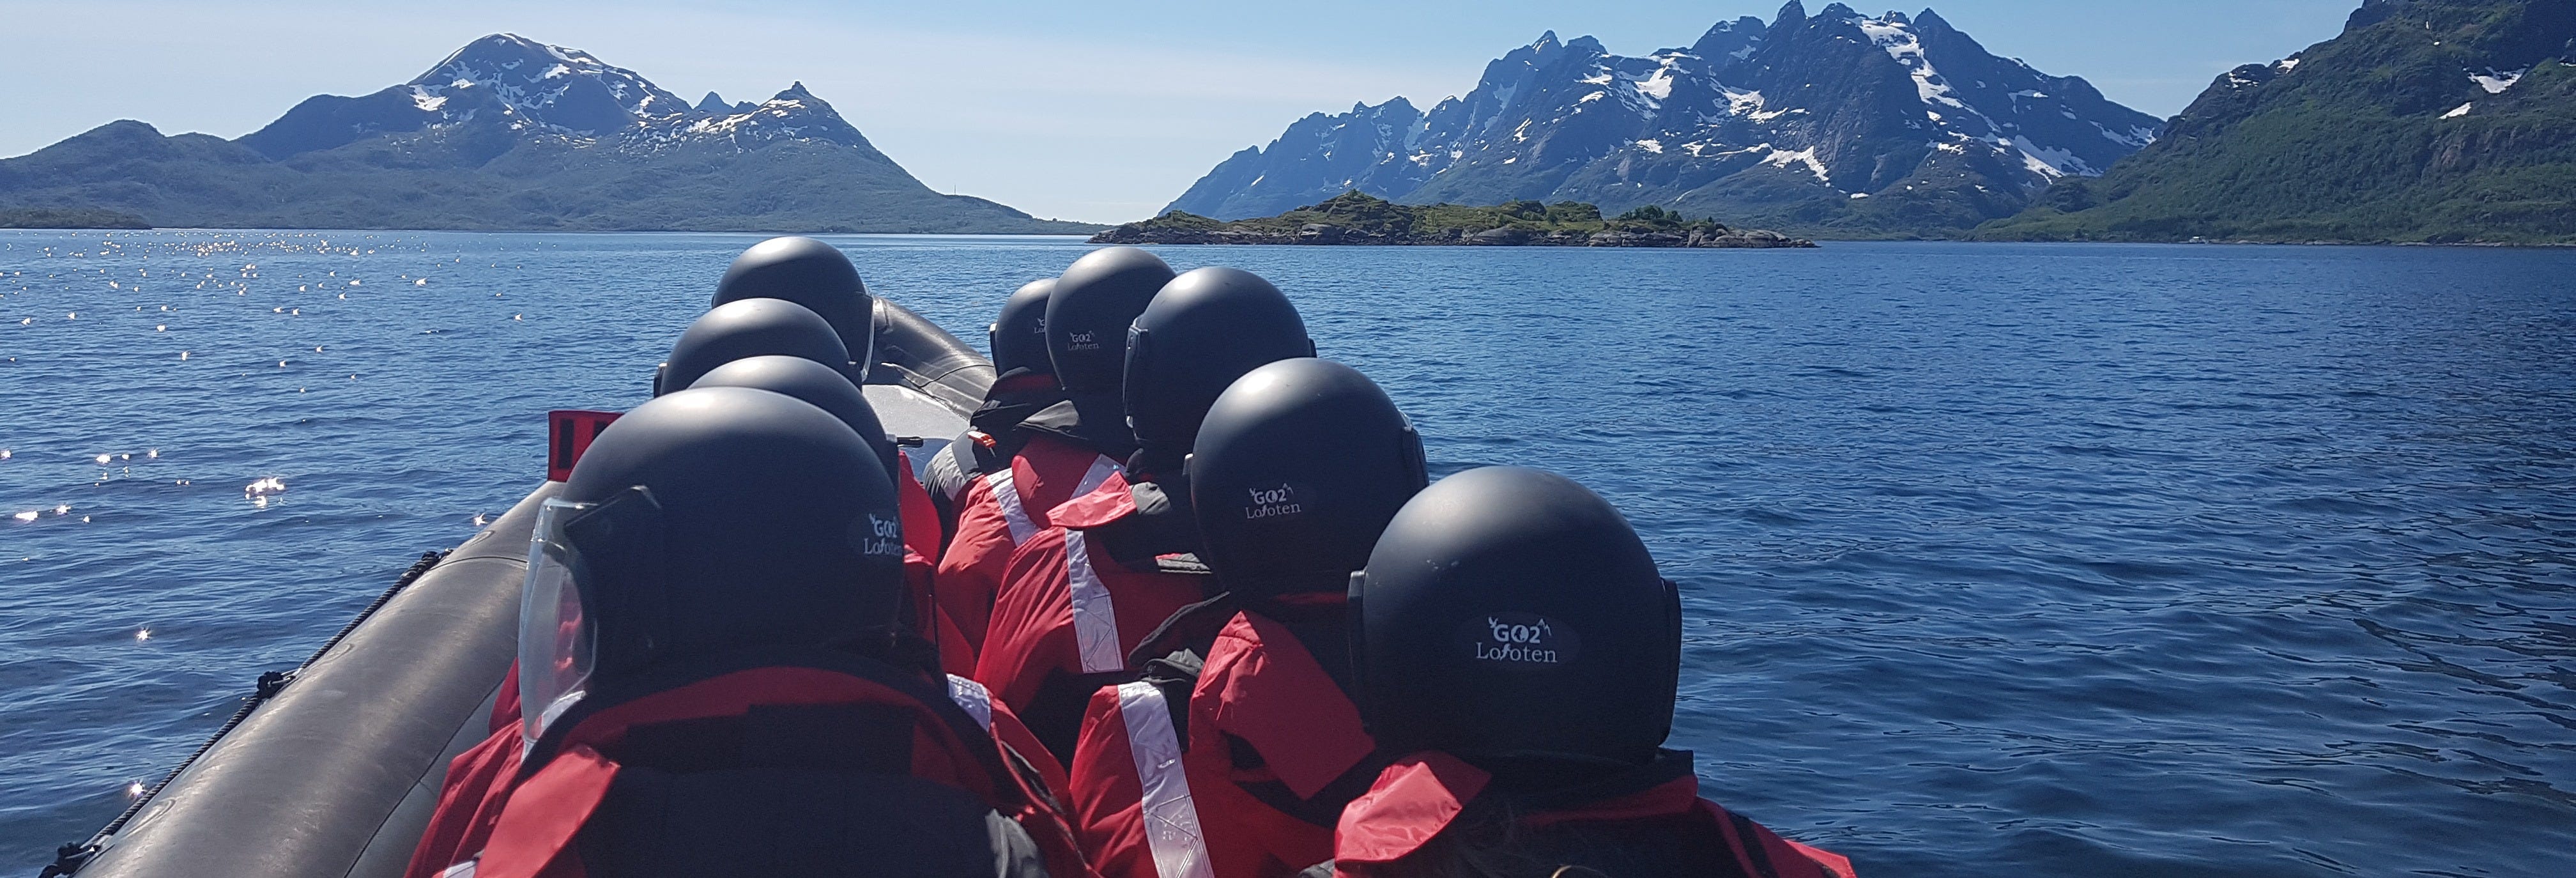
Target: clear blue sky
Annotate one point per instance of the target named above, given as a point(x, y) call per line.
point(1097, 111)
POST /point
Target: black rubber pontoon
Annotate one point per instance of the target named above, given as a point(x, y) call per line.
point(331, 770)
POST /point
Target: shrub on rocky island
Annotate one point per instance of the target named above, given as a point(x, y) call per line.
point(1357, 218)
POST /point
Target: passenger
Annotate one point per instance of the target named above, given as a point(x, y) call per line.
point(1517, 655)
point(1076, 598)
point(1298, 467)
point(732, 331)
point(749, 328)
point(719, 680)
point(827, 389)
point(813, 274)
point(761, 327)
point(1024, 386)
point(818, 276)
point(1064, 450)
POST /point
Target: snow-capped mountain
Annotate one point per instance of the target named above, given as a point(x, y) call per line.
point(1830, 122)
point(508, 132)
point(521, 85)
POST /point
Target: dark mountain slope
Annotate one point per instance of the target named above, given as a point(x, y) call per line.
point(2426, 121)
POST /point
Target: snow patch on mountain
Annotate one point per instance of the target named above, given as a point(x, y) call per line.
point(1781, 158)
point(2495, 83)
point(1659, 84)
point(1898, 38)
point(2049, 161)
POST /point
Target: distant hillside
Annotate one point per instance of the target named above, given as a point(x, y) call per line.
point(2442, 121)
point(67, 218)
point(509, 133)
point(1356, 218)
point(1835, 124)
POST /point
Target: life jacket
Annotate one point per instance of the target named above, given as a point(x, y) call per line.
point(1074, 601)
point(1264, 748)
point(849, 767)
point(991, 439)
point(505, 701)
point(1001, 510)
point(993, 431)
point(1645, 822)
point(470, 797)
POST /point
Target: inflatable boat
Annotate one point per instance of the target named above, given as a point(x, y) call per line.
point(332, 768)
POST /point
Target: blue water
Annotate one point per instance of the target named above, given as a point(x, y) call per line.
point(2055, 560)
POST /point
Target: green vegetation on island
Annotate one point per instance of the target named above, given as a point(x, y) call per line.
point(68, 218)
point(1356, 218)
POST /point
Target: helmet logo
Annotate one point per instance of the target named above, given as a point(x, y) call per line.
point(1524, 640)
point(878, 536)
point(1083, 341)
point(1272, 502)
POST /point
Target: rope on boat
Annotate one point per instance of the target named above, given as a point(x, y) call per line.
point(69, 859)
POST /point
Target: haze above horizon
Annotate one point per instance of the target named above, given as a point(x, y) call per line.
point(1101, 114)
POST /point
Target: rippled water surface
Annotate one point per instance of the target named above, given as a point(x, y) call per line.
point(2050, 560)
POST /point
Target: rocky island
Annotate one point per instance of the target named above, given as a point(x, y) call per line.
point(1357, 218)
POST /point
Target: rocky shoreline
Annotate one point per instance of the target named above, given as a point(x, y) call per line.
point(1320, 234)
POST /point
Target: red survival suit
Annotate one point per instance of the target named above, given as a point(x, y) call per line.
point(1072, 606)
point(507, 821)
point(999, 511)
point(1650, 822)
point(1251, 778)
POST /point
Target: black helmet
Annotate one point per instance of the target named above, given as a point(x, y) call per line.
point(700, 523)
point(748, 328)
point(1018, 337)
point(1202, 331)
point(1299, 467)
point(1512, 618)
point(818, 385)
point(1088, 313)
point(813, 274)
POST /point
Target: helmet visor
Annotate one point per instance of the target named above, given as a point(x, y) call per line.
point(556, 641)
point(863, 351)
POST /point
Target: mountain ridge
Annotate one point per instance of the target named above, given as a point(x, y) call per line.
point(1834, 123)
point(510, 133)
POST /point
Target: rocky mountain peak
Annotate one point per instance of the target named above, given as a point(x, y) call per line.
point(1730, 40)
point(1837, 109)
point(531, 89)
point(792, 114)
point(549, 87)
